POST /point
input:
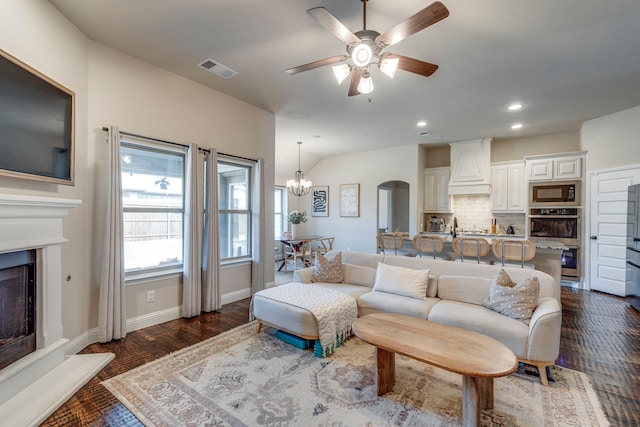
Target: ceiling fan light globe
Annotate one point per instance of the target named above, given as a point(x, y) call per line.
point(362, 55)
point(389, 66)
point(341, 72)
point(366, 84)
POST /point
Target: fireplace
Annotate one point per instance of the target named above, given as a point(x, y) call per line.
point(43, 377)
point(17, 305)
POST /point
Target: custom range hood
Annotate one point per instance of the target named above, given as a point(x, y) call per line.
point(470, 167)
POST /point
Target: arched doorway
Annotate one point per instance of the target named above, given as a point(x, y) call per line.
point(393, 206)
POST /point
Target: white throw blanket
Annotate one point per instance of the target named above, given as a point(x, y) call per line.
point(334, 311)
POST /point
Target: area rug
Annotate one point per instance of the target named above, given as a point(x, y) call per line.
point(241, 378)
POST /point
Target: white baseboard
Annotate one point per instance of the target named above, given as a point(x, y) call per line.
point(154, 318)
point(235, 296)
point(76, 344)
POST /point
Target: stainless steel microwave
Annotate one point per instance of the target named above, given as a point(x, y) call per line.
point(555, 194)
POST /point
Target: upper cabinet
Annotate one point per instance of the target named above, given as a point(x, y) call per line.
point(436, 190)
point(550, 168)
point(508, 187)
point(470, 167)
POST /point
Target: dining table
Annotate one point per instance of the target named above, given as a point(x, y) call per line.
point(295, 243)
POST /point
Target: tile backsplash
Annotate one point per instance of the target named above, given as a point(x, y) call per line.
point(474, 212)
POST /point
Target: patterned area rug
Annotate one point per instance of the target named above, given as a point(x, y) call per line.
point(241, 378)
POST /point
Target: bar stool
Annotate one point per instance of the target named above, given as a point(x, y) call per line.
point(428, 244)
point(477, 247)
point(514, 250)
point(390, 241)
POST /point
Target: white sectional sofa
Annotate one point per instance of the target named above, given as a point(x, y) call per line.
point(454, 296)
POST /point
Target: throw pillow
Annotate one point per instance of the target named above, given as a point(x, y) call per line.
point(401, 281)
point(516, 300)
point(328, 270)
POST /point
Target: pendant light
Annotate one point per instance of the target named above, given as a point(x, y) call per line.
point(299, 186)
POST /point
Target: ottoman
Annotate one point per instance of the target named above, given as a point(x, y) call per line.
point(307, 311)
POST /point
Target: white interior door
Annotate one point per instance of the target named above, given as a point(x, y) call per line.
point(608, 229)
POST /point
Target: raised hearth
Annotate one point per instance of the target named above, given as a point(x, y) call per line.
point(32, 387)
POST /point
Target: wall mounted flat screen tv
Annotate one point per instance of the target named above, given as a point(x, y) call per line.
point(36, 124)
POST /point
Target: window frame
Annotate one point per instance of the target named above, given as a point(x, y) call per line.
point(138, 275)
point(249, 166)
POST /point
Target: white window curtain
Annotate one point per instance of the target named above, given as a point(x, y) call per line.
point(192, 235)
point(112, 322)
point(201, 257)
point(211, 243)
point(258, 227)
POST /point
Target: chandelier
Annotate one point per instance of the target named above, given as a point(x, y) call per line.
point(299, 186)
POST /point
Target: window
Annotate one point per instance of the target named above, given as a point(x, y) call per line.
point(234, 195)
point(153, 205)
point(279, 210)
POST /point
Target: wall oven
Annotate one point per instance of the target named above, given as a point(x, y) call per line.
point(560, 225)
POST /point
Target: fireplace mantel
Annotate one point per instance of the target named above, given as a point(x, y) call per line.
point(34, 386)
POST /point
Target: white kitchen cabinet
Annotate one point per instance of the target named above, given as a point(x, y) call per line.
point(508, 187)
point(554, 168)
point(436, 190)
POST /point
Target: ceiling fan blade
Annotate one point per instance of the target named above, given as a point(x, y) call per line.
point(418, 22)
point(316, 64)
point(356, 74)
point(413, 65)
point(331, 23)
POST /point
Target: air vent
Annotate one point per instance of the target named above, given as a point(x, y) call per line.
point(424, 133)
point(217, 68)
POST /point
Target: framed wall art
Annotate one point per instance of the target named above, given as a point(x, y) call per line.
point(350, 200)
point(320, 200)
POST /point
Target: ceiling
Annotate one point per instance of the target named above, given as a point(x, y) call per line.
point(566, 61)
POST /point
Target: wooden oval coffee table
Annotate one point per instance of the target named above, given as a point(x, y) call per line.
point(478, 358)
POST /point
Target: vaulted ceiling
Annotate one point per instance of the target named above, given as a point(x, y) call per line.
point(566, 61)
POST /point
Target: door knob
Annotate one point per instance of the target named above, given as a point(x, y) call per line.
point(594, 237)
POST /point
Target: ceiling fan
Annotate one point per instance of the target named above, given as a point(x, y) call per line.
point(366, 47)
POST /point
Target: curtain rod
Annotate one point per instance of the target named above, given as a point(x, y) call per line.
point(106, 129)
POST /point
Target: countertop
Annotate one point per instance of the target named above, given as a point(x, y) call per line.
point(546, 244)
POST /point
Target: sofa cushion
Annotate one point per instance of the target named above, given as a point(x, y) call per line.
point(328, 270)
point(467, 289)
point(358, 275)
point(512, 333)
point(401, 281)
point(416, 264)
point(360, 258)
point(376, 302)
point(516, 300)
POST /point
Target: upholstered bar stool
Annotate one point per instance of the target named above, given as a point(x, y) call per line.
point(471, 247)
point(428, 244)
point(514, 250)
point(390, 241)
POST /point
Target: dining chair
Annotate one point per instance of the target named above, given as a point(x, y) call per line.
point(428, 244)
point(514, 250)
point(326, 245)
point(477, 247)
point(297, 251)
point(390, 241)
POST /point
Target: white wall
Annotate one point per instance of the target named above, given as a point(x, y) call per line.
point(612, 140)
point(369, 169)
point(114, 88)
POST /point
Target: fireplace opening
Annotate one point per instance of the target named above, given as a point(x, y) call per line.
point(17, 305)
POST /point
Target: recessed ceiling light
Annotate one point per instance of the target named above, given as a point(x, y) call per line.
point(421, 123)
point(514, 107)
point(516, 126)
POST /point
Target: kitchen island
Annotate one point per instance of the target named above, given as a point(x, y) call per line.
point(548, 257)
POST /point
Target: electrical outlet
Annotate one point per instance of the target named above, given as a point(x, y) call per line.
point(151, 296)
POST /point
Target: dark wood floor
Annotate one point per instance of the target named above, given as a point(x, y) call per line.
point(600, 336)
